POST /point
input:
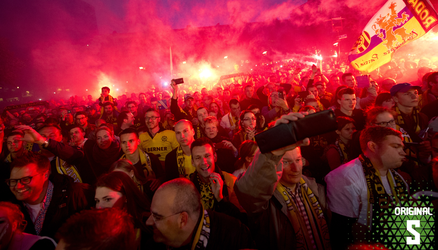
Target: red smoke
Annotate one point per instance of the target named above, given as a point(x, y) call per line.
point(79, 45)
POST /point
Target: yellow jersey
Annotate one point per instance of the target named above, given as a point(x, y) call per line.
point(161, 144)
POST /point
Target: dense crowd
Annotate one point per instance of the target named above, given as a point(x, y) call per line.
point(180, 168)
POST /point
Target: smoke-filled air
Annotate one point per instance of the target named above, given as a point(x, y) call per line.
point(76, 47)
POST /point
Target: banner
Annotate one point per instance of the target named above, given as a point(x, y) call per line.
point(397, 23)
point(32, 104)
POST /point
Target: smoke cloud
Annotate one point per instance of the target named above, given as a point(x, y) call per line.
point(82, 45)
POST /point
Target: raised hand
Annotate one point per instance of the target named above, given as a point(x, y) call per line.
point(216, 186)
point(30, 135)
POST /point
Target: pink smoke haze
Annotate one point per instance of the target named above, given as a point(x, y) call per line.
point(83, 45)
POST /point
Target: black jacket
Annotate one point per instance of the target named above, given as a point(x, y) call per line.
point(100, 161)
point(176, 110)
point(226, 232)
point(171, 166)
point(68, 198)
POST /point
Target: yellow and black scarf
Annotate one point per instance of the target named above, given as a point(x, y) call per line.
point(415, 116)
point(207, 197)
point(146, 163)
point(62, 167)
point(314, 211)
point(376, 193)
point(183, 170)
point(202, 235)
point(198, 132)
point(342, 150)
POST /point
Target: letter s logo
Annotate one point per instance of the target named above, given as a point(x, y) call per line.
point(410, 228)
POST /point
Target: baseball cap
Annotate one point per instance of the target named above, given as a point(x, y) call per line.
point(188, 96)
point(402, 87)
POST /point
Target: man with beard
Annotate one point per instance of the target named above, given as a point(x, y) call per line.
point(157, 140)
point(109, 114)
point(81, 119)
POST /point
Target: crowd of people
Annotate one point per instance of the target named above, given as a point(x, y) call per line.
point(180, 168)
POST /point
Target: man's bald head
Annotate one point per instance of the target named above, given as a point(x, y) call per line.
point(183, 122)
point(184, 132)
point(186, 196)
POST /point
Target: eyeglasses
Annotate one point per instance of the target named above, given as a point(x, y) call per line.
point(249, 119)
point(151, 118)
point(390, 122)
point(24, 180)
point(13, 142)
point(157, 217)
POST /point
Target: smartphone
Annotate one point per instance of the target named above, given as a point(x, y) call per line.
point(286, 134)
point(363, 81)
point(281, 95)
point(178, 80)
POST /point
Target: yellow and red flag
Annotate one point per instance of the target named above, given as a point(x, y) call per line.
point(397, 23)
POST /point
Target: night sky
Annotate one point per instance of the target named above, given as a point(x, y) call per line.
point(48, 46)
point(111, 14)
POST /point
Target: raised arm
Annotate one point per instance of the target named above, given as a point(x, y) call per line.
point(256, 187)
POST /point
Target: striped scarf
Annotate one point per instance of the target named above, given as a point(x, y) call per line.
point(62, 167)
point(145, 161)
point(342, 150)
point(39, 220)
point(316, 219)
point(202, 235)
point(376, 193)
point(180, 160)
point(415, 116)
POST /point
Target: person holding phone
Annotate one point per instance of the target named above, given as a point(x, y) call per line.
point(277, 106)
point(279, 205)
point(188, 112)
